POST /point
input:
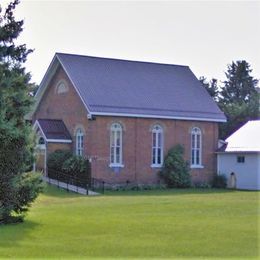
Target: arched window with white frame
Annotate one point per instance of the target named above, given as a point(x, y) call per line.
point(41, 143)
point(61, 87)
point(196, 144)
point(79, 142)
point(157, 146)
point(116, 145)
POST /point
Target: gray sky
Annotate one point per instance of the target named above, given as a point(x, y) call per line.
point(204, 35)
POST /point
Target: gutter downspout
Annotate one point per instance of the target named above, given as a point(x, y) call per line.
point(135, 150)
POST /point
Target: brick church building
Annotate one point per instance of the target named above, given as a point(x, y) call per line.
point(124, 116)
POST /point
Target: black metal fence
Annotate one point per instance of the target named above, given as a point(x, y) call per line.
point(97, 185)
point(84, 181)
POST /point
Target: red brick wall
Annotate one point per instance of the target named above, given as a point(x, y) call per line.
point(137, 145)
point(137, 137)
point(51, 147)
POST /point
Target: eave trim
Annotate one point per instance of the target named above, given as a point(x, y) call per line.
point(158, 116)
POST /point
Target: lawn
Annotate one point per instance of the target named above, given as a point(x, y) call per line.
point(159, 224)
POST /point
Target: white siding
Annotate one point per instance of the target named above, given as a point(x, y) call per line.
point(247, 173)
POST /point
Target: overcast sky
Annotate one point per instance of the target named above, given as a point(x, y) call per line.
point(205, 35)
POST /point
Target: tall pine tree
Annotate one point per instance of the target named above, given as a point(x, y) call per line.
point(239, 98)
point(240, 86)
point(17, 189)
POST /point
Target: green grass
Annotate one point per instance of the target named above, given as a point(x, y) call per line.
point(158, 224)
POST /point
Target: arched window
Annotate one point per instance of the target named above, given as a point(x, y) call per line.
point(41, 141)
point(61, 87)
point(79, 142)
point(157, 146)
point(116, 145)
point(196, 143)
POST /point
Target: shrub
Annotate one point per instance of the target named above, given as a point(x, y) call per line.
point(175, 170)
point(77, 167)
point(56, 159)
point(219, 181)
point(202, 185)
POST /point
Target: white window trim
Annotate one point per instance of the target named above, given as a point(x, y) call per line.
point(79, 145)
point(199, 165)
point(156, 165)
point(41, 146)
point(116, 165)
point(120, 130)
point(157, 132)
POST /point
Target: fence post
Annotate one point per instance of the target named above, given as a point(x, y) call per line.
point(58, 179)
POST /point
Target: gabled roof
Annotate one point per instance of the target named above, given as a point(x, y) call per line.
point(245, 139)
point(53, 130)
point(136, 89)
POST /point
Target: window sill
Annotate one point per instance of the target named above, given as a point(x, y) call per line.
point(113, 165)
point(156, 165)
point(196, 166)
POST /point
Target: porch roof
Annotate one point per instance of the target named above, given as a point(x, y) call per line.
point(54, 130)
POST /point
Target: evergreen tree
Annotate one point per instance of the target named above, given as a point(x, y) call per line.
point(239, 98)
point(240, 86)
point(17, 189)
point(211, 87)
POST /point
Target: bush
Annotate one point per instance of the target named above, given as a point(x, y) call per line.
point(68, 168)
point(219, 181)
point(202, 185)
point(56, 159)
point(175, 170)
point(77, 167)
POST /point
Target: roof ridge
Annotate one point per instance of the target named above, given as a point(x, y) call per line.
point(118, 59)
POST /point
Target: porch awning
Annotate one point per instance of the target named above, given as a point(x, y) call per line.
point(53, 130)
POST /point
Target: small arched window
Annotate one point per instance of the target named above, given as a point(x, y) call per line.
point(41, 141)
point(196, 143)
point(62, 87)
point(157, 146)
point(79, 142)
point(116, 145)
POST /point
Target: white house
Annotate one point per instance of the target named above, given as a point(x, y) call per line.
point(239, 157)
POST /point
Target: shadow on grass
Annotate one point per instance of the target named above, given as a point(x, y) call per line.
point(167, 192)
point(13, 234)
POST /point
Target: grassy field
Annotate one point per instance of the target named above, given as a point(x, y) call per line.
point(158, 224)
